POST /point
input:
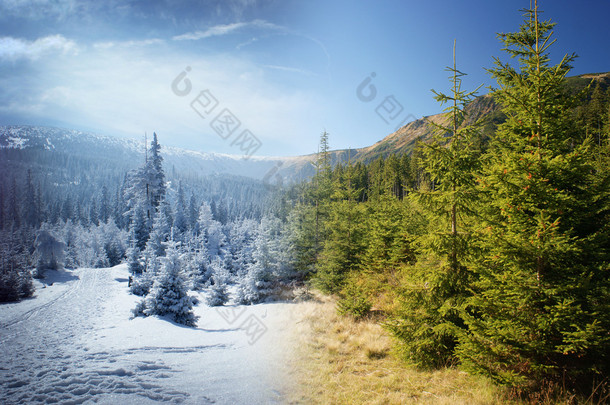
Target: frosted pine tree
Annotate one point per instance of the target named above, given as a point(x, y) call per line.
point(71, 243)
point(200, 270)
point(15, 277)
point(241, 245)
point(257, 284)
point(114, 241)
point(169, 295)
point(139, 226)
point(140, 282)
point(210, 231)
point(133, 259)
point(218, 291)
point(205, 218)
point(49, 252)
point(154, 175)
point(180, 218)
point(99, 257)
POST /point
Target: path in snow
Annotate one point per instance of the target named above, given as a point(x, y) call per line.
point(74, 343)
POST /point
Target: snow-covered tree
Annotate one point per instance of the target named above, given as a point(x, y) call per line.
point(139, 226)
point(114, 241)
point(15, 277)
point(258, 282)
point(218, 293)
point(241, 245)
point(205, 218)
point(104, 210)
point(154, 175)
point(198, 266)
point(134, 258)
point(169, 295)
point(93, 214)
point(49, 252)
point(210, 231)
point(159, 234)
point(216, 239)
point(141, 285)
point(180, 217)
point(192, 212)
point(70, 240)
point(30, 212)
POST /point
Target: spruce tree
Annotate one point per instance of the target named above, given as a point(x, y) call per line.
point(180, 217)
point(345, 241)
point(13, 216)
point(155, 177)
point(596, 111)
point(301, 225)
point(540, 305)
point(389, 235)
point(169, 295)
point(218, 295)
point(139, 227)
point(428, 323)
point(308, 217)
point(134, 256)
point(192, 212)
point(155, 246)
point(104, 211)
point(258, 282)
point(15, 276)
point(321, 189)
point(30, 214)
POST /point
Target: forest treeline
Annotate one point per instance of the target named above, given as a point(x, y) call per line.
point(58, 211)
point(487, 252)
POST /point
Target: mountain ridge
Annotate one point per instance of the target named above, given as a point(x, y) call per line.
point(128, 152)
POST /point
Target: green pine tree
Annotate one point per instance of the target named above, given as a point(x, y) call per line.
point(321, 188)
point(344, 243)
point(428, 322)
point(540, 305)
point(307, 220)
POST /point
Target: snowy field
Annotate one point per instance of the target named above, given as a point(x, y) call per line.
point(74, 343)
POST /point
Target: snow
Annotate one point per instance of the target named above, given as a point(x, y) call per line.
point(49, 138)
point(16, 142)
point(75, 343)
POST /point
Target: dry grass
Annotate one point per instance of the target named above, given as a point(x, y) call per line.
point(339, 361)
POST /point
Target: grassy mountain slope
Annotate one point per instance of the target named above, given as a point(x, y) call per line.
point(405, 139)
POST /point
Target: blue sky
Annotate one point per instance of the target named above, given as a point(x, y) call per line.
point(285, 70)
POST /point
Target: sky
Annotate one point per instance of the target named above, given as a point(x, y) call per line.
point(261, 76)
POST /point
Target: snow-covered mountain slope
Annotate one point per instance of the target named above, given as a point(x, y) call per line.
point(129, 153)
point(74, 343)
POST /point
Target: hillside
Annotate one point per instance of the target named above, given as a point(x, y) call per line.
point(405, 139)
point(128, 153)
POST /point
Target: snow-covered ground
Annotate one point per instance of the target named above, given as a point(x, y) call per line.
point(74, 343)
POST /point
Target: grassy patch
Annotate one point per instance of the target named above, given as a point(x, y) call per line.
point(340, 361)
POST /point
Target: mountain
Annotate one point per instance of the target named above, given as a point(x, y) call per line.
point(405, 138)
point(127, 154)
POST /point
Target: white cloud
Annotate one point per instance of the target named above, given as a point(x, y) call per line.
point(117, 91)
point(219, 30)
point(17, 48)
point(128, 44)
point(290, 70)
